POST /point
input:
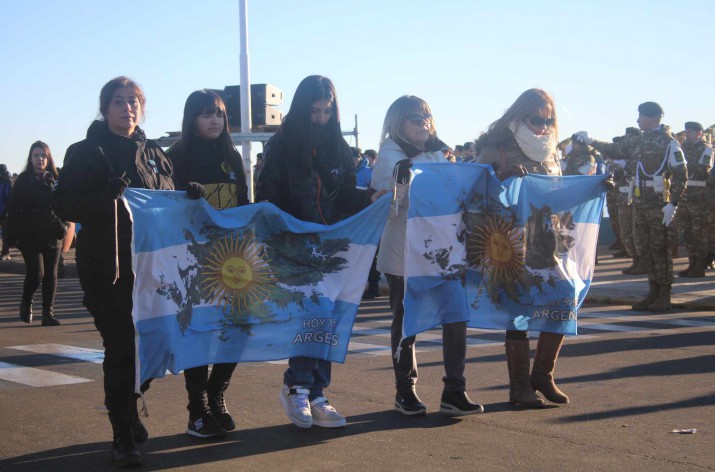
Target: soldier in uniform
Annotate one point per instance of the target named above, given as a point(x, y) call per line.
point(625, 211)
point(582, 158)
point(656, 161)
point(693, 213)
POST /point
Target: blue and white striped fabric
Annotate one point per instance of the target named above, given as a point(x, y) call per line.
point(519, 255)
point(245, 284)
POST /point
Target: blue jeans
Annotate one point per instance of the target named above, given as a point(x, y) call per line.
point(308, 372)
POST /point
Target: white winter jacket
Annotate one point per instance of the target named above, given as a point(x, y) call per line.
point(391, 258)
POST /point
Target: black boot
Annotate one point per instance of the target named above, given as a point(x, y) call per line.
point(124, 449)
point(373, 290)
point(698, 269)
point(691, 265)
point(458, 404)
point(26, 311)
point(409, 403)
point(217, 384)
point(48, 317)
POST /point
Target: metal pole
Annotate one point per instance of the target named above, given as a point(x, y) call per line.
point(356, 132)
point(245, 97)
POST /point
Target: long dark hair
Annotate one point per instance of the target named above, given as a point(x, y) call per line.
point(199, 102)
point(50, 161)
point(296, 124)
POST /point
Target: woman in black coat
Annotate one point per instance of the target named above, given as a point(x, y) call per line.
point(95, 174)
point(37, 231)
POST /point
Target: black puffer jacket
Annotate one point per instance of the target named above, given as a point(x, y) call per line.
point(319, 188)
point(80, 195)
point(31, 222)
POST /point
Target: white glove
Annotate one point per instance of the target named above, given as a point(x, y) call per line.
point(668, 214)
point(582, 137)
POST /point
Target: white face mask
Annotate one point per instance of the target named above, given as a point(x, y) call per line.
point(536, 148)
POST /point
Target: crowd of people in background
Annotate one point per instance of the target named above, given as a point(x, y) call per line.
point(308, 170)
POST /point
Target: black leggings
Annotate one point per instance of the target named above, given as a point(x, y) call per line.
point(41, 265)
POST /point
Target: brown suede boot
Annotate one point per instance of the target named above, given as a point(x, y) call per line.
point(517, 360)
point(650, 298)
point(691, 265)
point(662, 303)
point(542, 375)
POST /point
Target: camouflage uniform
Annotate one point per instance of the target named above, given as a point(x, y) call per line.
point(624, 210)
point(576, 160)
point(693, 212)
point(655, 153)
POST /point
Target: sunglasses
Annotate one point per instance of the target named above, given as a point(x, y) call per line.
point(418, 118)
point(540, 122)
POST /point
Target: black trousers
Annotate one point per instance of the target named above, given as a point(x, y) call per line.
point(40, 265)
point(199, 383)
point(111, 307)
point(454, 346)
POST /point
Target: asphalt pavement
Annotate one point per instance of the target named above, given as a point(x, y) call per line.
point(633, 378)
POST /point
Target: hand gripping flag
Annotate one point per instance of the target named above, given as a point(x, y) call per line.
point(517, 255)
point(246, 284)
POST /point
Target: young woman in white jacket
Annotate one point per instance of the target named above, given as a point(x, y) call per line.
point(409, 135)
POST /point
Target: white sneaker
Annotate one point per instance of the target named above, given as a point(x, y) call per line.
point(325, 415)
point(295, 403)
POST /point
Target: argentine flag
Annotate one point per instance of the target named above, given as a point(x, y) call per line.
point(517, 255)
point(245, 284)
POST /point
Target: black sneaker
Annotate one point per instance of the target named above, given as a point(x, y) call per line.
point(217, 404)
point(125, 455)
point(205, 426)
point(458, 404)
point(409, 404)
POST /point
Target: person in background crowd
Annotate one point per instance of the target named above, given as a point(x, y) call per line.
point(206, 154)
point(468, 152)
point(693, 214)
point(115, 155)
point(6, 182)
point(363, 171)
point(409, 135)
point(523, 141)
point(448, 154)
point(257, 167)
point(582, 158)
point(309, 173)
point(37, 231)
point(373, 278)
point(458, 150)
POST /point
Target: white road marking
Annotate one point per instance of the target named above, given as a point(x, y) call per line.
point(95, 356)
point(36, 377)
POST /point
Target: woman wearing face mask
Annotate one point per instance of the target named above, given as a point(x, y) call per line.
point(409, 133)
point(37, 230)
point(308, 171)
point(206, 154)
point(524, 141)
point(115, 155)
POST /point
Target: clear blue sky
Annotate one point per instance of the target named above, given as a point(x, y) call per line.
point(468, 59)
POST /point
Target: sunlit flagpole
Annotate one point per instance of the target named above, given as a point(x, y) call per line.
point(245, 97)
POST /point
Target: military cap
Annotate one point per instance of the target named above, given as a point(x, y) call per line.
point(650, 109)
point(633, 131)
point(694, 126)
